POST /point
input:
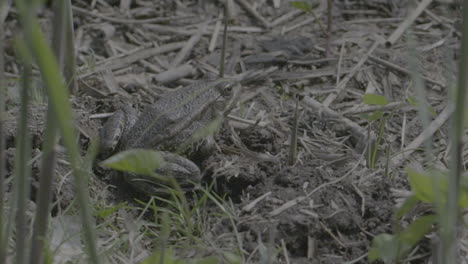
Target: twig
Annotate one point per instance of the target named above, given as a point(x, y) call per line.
point(223, 48)
point(311, 247)
point(363, 198)
point(329, 26)
point(276, 4)
point(285, 251)
point(358, 132)
point(100, 115)
point(234, 59)
point(189, 32)
point(170, 30)
point(307, 74)
point(374, 20)
point(401, 69)
point(188, 47)
point(309, 62)
point(332, 235)
point(174, 74)
point(110, 81)
point(287, 205)
point(252, 204)
point(294, 130)
point(398, 159)
point(86, 12)
point(215, 35)
point(247, 121)
point(254, 13)
point(340, 63)
point(438, 20)
point(123, 61)
point(303, 23)
point(407, 23)
point(286, 17)
point(340, 87)
point(403, 130)
point(239, 29)
point(373, 108)
point(124, 5)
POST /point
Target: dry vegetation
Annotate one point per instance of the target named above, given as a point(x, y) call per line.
point(348, 177)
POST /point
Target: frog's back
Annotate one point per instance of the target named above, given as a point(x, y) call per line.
point(170, 115)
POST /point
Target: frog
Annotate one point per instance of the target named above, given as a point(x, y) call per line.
point(169, 125)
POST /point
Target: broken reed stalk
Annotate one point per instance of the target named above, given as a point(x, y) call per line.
point(223, 49)
point(3, 246)
point(294, 129)
point(329, 26)
point(407, 22)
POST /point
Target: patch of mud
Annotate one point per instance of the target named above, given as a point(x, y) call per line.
point(321, 210)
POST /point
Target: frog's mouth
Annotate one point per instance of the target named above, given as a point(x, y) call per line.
point(225, 104)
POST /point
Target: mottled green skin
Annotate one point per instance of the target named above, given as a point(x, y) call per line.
point(177, 115)
point(168, 124)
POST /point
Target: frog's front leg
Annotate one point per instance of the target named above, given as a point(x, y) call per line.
point(176, 167)
point(116, 128)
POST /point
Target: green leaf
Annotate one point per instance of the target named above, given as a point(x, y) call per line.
point(415, 232)
point(384, 247)
point(412, 101)
point(421, 184)
point(407, 205)
point(206, 260)
point(302, 5)
point(166, 257)
point(463, 192)
point(139, 161)
point(466, 118)
point(375, 99)
point(232, 258)
point(104, 213)
point(374, 116)
point(390, 248)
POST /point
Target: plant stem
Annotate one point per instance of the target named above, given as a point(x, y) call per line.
point(448, 228)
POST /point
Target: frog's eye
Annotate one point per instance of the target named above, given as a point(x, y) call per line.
point(226, 89)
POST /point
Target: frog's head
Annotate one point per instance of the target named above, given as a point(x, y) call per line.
point(226, 87)
point(229, 90)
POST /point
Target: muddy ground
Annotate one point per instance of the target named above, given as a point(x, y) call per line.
point(328, 205)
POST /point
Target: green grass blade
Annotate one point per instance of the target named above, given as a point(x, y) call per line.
point(3, 244)
point(22, 169)
point(58, 96)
